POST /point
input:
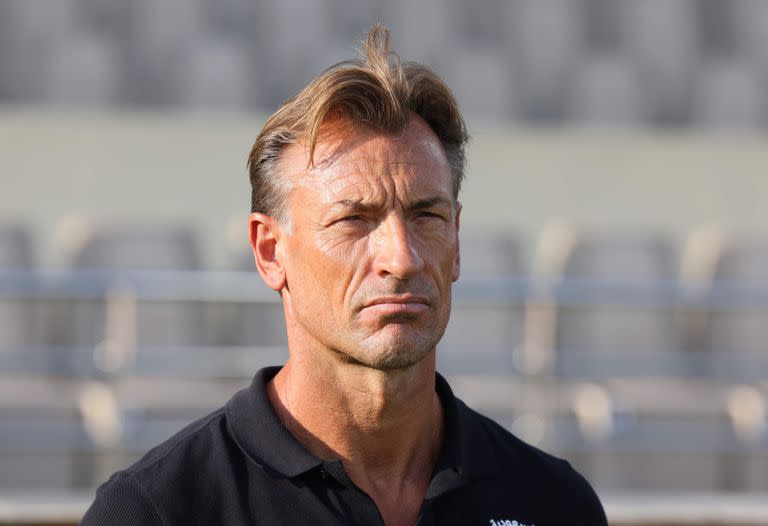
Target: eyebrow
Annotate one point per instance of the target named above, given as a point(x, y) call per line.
point(361, 206)
point(429, 203)
point(354, 205)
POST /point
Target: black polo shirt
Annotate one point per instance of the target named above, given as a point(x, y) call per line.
point(240, 466)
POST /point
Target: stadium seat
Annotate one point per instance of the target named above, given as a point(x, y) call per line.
point(481, 336)
point(107, 259)
point(660, 37)
point(547, 40)
point(489, 100)
point(423, 29)
point(606, 92)
point(602, 21)
point(293, 45)
point(660, 435)
point(742, 272)
point(214, 74)
point(259, 323)
point(613, 307)
point(751, 39)
point(42, 444)
point(158, 34)
point(84, 70)
point(17, 317)
point(28, 38)
point(729, 95)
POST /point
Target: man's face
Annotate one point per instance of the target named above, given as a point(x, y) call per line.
point(371, 251)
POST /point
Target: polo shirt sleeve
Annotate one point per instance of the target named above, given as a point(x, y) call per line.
point(587, 505)
point(122, 502)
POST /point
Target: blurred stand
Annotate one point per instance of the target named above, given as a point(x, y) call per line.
point(628, 338)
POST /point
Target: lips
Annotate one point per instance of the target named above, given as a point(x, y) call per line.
point(397, 300)
point(405, 304)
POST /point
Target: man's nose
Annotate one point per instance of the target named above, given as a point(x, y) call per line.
point(395, 251)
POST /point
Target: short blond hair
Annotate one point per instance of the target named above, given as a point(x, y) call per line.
point(375, 91)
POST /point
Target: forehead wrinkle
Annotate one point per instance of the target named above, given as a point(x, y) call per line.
point(350, 165)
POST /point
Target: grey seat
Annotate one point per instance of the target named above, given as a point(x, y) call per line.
point(41, 436)
point(649, 471)
point(117, 255)
point(736, 327)
point(486, 318)
point(546, 38)
point(17, 317)
point(39, 429)
point(156, 35)
point(483, 83)
point(214, 74)
point(613, 307)
point(729, 95)
point(751, 39)
point(84, 71)
point(660, 37)
point(606, 92)
point(423, 29)
point(259, 323)
point(305, 39)
point(29, 36)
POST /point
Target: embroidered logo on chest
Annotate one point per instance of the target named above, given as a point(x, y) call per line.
point(507, 522)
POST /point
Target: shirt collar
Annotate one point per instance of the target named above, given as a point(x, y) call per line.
point(260, 434)
point(258, 431)
point(466, 453)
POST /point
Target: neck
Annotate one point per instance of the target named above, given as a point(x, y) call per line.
point(385, 426)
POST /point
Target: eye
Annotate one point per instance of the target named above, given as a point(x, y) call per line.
point(426, 214)
point(351, 218)
point(350, 221)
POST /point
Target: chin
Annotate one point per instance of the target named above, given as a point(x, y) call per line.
point(388, 354)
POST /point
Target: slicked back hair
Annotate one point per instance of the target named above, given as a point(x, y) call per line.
point(376, 91)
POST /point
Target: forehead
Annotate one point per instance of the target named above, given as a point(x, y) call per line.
point(352, 160)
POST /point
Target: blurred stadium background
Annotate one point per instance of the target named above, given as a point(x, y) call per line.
point(613, 307)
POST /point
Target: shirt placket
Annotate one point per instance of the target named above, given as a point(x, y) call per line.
point(360, 505)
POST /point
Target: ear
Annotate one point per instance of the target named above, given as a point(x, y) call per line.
point(265, 234)
point(457, 262)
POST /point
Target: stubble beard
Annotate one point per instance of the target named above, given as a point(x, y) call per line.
point(385, 352)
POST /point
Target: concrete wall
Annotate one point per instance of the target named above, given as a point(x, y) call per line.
point(109, 167)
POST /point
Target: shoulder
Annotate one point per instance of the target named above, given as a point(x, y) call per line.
point(122, 501)
point(546, 476)
point(137, 494)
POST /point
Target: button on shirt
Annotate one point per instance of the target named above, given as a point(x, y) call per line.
point(241, 466)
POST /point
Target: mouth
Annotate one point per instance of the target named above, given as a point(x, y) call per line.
point(399, 304)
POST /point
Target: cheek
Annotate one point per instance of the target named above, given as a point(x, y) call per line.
point(330, 268)
point(440, 247)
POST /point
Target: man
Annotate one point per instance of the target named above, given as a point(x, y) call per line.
point(355, 223)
